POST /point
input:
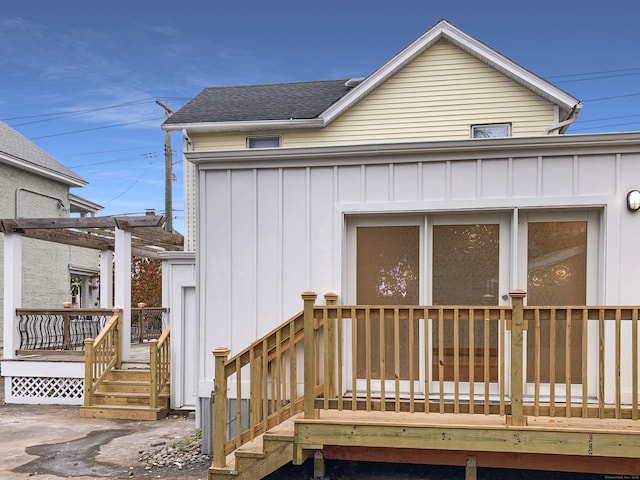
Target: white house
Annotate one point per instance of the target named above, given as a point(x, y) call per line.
point(35, 185)
point(442, 178)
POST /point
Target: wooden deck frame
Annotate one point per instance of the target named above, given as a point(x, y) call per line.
point(542, 432)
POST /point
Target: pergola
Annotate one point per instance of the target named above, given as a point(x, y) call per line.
point(117, 239)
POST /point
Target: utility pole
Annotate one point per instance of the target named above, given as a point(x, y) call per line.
point(168, 167)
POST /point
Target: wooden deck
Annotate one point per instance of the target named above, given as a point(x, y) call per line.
point(139, 354)
point(422, 413)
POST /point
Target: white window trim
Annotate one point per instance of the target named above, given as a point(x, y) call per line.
point(264, 137)
point(485, 125)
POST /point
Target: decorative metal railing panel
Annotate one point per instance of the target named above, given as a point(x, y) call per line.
point(59, 329)
point(147, 323)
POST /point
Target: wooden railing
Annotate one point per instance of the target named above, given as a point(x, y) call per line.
point(271, 370)
point(101, 355)
point(159, 365)
point(421, 359)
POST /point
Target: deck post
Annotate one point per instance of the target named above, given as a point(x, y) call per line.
point(117, 339)
point(221, 354)
point(89, 357)
point(153, 368)
point(309, 355)
point(330, 298)
point(517, 417)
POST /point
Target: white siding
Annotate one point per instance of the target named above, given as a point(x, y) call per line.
point(269, 234)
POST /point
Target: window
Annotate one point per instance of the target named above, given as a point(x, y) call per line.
point(263, 142)
point(491, 130)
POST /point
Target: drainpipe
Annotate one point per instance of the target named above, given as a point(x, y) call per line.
point(571, 117)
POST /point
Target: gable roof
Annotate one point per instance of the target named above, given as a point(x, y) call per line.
point(271, 102)
point(256, 106)
point(16, 150)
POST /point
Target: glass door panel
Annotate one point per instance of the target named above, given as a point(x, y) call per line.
point(387, 273)
point(465, 271)
point(556, 275)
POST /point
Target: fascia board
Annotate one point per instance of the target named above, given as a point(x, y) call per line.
point(206, 127)
point(507, 66)
point(43, 172)
point(424, 151)
point(486, 54)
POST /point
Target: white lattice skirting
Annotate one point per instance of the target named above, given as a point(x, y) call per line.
point(53, 383)
point(46, 390)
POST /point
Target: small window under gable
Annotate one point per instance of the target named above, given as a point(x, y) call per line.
point(491, 130)
point(264, 142)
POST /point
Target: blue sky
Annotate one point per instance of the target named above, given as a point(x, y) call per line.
point(80, 78)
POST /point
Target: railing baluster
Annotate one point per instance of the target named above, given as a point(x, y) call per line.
point(471, 360)
point(396, 359)
point(338, 369)
point(617, 360)
point(411, 354)
point(441, 357)
point(552, 363)
point(330, 341)
point(634, 364)
point(456, 360)
point(568, 362)
point(293, 366)
point(367, 349)
point(501, 355)
point(487, 344)
point(585, 362)
point(238, 370)
point(428, 367)
point(354, 361)
point(601, 363)
point(381, 353)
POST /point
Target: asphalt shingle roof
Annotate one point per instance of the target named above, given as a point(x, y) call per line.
point(15, 145)
point(279, 101)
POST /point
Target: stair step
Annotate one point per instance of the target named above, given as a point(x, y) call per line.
point(125, 412)
point(133, 386)
point(139, 374)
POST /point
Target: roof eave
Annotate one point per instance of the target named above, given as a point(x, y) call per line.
point(250, 126)
point(486, 54)
point(24, 165)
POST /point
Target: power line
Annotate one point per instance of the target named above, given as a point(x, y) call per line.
point(597, 73)
point(72, 113)
point(96, 128)
point(124, 159)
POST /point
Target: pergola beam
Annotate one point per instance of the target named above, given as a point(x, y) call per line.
point(123, 223)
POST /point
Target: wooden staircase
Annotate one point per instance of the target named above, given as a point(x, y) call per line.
point(135, 391)
point(259, 457)
point(125, 394)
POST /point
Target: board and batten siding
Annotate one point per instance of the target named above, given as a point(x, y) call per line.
point(269, 233)
point(438, 96)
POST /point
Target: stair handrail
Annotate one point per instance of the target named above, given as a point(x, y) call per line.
point(159, 365)
point(101, 355)
point(274, 356)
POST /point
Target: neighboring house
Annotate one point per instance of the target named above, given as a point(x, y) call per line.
point(33, 184)
point(442, 178)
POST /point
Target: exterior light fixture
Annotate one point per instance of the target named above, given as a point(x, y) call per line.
point(633, 201)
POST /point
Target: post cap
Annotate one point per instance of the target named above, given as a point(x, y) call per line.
point(221, 351)
point(330, 296)
point(517, 293)
point(309, 295)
